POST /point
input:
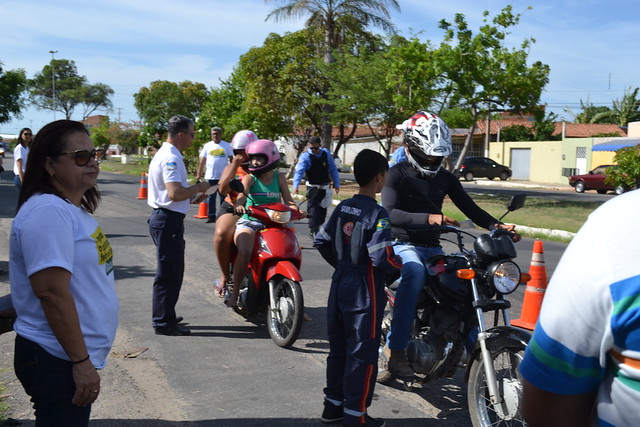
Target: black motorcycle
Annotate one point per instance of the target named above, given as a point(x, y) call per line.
point(450, 323)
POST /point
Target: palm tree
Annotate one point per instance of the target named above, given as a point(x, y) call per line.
point(624, 110)
point(336, 18)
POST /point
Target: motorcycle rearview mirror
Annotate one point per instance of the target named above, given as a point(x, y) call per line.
point(236, 185)
point(516, 202)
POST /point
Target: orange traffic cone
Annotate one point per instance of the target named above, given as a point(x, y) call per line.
point(534, 293)
point(142, 193)
point(203, 210)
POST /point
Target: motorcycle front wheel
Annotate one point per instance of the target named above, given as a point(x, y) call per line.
point(481, 410)
point(284, 321)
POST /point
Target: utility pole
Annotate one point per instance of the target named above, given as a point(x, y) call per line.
point(53, 84)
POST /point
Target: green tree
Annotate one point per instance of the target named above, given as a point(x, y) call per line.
point(457, 117)
point(283, 81)
point(162, 100)
point(337, 19)
point(100, 134)
point(627, 174)
point(487, 75)
point(624, 110)
point(71, 90)
point(544, 125)
point(516, 133)
point(13, 85)
point(383, 84)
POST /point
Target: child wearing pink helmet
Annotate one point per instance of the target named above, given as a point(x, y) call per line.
point(264, 185)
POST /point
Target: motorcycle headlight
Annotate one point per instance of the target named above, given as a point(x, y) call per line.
point(281, 217)
point(504, 276)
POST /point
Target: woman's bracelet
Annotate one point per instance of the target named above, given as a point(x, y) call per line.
point(81, 360)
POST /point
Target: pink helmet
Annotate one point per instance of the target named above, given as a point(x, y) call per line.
point(241, 139)
point(265, 149)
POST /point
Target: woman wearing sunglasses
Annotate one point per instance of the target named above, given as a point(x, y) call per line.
point(20, 154)
point(62, 284)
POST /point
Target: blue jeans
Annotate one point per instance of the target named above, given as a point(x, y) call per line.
point(49, 382)
point(413, 277)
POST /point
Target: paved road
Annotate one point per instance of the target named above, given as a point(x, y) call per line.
point(228, 373)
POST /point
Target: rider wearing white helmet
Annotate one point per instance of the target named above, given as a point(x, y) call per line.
point(428, 142)
point(413, 195)
point(226, 222)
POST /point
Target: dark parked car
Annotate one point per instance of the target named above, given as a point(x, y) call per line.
point(482, 167)
point(595, 180)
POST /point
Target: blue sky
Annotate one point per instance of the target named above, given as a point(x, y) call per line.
point(590, 45)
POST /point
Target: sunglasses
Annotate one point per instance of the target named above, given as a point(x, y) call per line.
point(314, 148)
point(82, 157)
point(27, 134)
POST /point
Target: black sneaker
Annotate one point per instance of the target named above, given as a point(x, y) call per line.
point(332, 413)
point(172, 331)
point(369, 422)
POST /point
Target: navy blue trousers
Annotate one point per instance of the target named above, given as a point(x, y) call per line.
point(49, 382)
point(167, 231)
point(354, 316)
point(317, 214)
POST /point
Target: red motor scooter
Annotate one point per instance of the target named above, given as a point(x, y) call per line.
point(271, 286)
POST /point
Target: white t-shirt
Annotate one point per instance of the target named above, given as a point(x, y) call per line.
point(217, 157)
point(588, 335)
point(20, 152)
point(51, 232)
point(167, 166)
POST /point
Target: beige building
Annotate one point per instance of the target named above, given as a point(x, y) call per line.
point(554, 161)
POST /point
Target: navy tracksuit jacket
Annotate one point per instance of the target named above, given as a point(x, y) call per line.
point(356, 240)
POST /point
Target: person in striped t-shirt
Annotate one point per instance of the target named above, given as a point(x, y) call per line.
point(582, 364)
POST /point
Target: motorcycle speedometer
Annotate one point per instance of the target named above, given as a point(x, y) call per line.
point(504, 276)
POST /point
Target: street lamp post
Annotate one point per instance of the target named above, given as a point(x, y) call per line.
point(53, 83)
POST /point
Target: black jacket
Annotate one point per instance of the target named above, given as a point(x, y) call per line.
point(410, 197)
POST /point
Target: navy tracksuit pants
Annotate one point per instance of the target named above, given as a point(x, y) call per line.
point(167, 231)
point(354, 314)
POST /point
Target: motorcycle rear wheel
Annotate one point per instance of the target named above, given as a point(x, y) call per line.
point(284, 321)
point(481, 411)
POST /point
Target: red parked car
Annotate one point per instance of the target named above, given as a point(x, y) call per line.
point(595, 180)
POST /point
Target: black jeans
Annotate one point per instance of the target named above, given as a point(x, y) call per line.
point(49, 382)
point(214, 200)
point(167, 231)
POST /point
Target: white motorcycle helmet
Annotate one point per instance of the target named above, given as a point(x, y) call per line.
point(428, 142)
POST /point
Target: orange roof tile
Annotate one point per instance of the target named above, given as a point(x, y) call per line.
point(572, 130)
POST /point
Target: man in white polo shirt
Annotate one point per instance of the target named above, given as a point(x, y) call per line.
point(214, 157)
point(169, 196)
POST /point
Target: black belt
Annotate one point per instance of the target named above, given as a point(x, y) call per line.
point(426, 245)
point(170, 212)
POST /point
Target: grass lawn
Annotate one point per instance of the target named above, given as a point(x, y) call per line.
point(537, 212)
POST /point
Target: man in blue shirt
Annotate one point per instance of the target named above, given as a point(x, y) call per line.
point(318, 165)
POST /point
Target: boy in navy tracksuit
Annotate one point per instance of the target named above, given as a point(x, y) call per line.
point(357, 242)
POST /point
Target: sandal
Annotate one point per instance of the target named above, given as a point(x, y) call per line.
point(219, 290)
